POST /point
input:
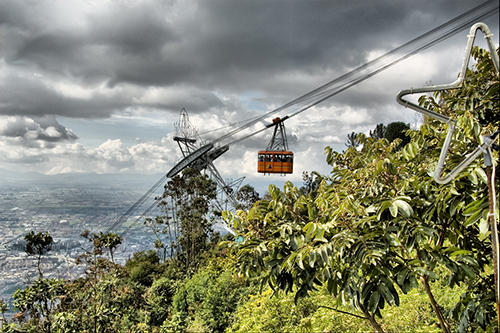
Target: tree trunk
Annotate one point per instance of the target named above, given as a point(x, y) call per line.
point(371, 319)
point(494, 237)
point(38, 266)
point(444, 325)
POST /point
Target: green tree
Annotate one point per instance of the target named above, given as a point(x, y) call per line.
point(185, 227)
point(311, 182)
point(110, 242)
point(206, 301)
point(473, 105)
point(247, 196)
point(92, 257)
point(143, 267)
point(37, 302)
point(352, 140)
point(109, 304)
point(159, 298)
point(378, 132)
point(191, 193)
point(382, 227)
point(102, 300)
point(397, 130)
point(38, 245)
point(4, 307)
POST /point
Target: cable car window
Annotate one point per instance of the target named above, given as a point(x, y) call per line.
point(261, 157)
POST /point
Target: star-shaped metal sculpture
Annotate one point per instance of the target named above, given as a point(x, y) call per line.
point(488, 140)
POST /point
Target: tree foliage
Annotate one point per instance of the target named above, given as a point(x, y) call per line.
point(37, 302)
point(375, 245)
point(247, 196)
point(38, 245)
point(378, 132)
point(311, 182)
point(187, 230)
point(352, 140)
point(382, 226)
point(397, 130)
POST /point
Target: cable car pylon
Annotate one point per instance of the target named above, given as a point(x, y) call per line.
point(200, 156)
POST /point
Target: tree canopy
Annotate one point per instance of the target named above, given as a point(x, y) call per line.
point(380, 226)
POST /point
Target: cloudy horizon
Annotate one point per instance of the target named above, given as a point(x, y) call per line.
point(96, 86)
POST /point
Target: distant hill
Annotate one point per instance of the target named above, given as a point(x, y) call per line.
point(14, 175)
point(9, 176)
point(93, 179)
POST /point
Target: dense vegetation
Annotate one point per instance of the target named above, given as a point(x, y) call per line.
point(377, 245)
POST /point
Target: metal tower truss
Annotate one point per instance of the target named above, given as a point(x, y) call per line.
point(187, 135)
point(200, 156)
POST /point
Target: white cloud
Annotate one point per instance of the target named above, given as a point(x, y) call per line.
point(323, 139)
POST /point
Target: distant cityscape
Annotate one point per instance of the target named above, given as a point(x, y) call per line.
point(65, 207)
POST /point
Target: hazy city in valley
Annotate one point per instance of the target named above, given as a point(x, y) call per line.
point(65, 206)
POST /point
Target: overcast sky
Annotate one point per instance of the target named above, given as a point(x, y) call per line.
point(96, 86)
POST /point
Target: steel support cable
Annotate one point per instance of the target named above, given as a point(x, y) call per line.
point(153, 205)
point(137, 203)
point(231, 125)
point(360, 74)
point(379, 64)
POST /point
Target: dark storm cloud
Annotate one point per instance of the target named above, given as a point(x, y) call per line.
point(33, 97)
point(221, 38)
point(202, 47)
point(29, 130)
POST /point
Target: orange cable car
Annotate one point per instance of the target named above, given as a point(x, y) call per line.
point(276, 158)
point(270, 161)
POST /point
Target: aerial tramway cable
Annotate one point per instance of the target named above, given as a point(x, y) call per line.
point(138, 203)
point(334, 87)
point(338, 85)
point(230, 125)
point(375, 66)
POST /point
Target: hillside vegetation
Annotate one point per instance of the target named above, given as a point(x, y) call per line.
point(377, 245)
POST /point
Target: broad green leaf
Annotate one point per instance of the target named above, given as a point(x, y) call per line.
point(312, 258)
point(484, 226)
point(481, 175)
point(401, 277)
point(374, 300)
point(424, 271)
point(473, 218)
point(454, 206)
point(299, 261)
point(384, 291)
point(393, 208)
point(468, 271)
point(404, 208)
point(383, 207)
point(474, 206)
point(472, 177)
point(459, 253)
